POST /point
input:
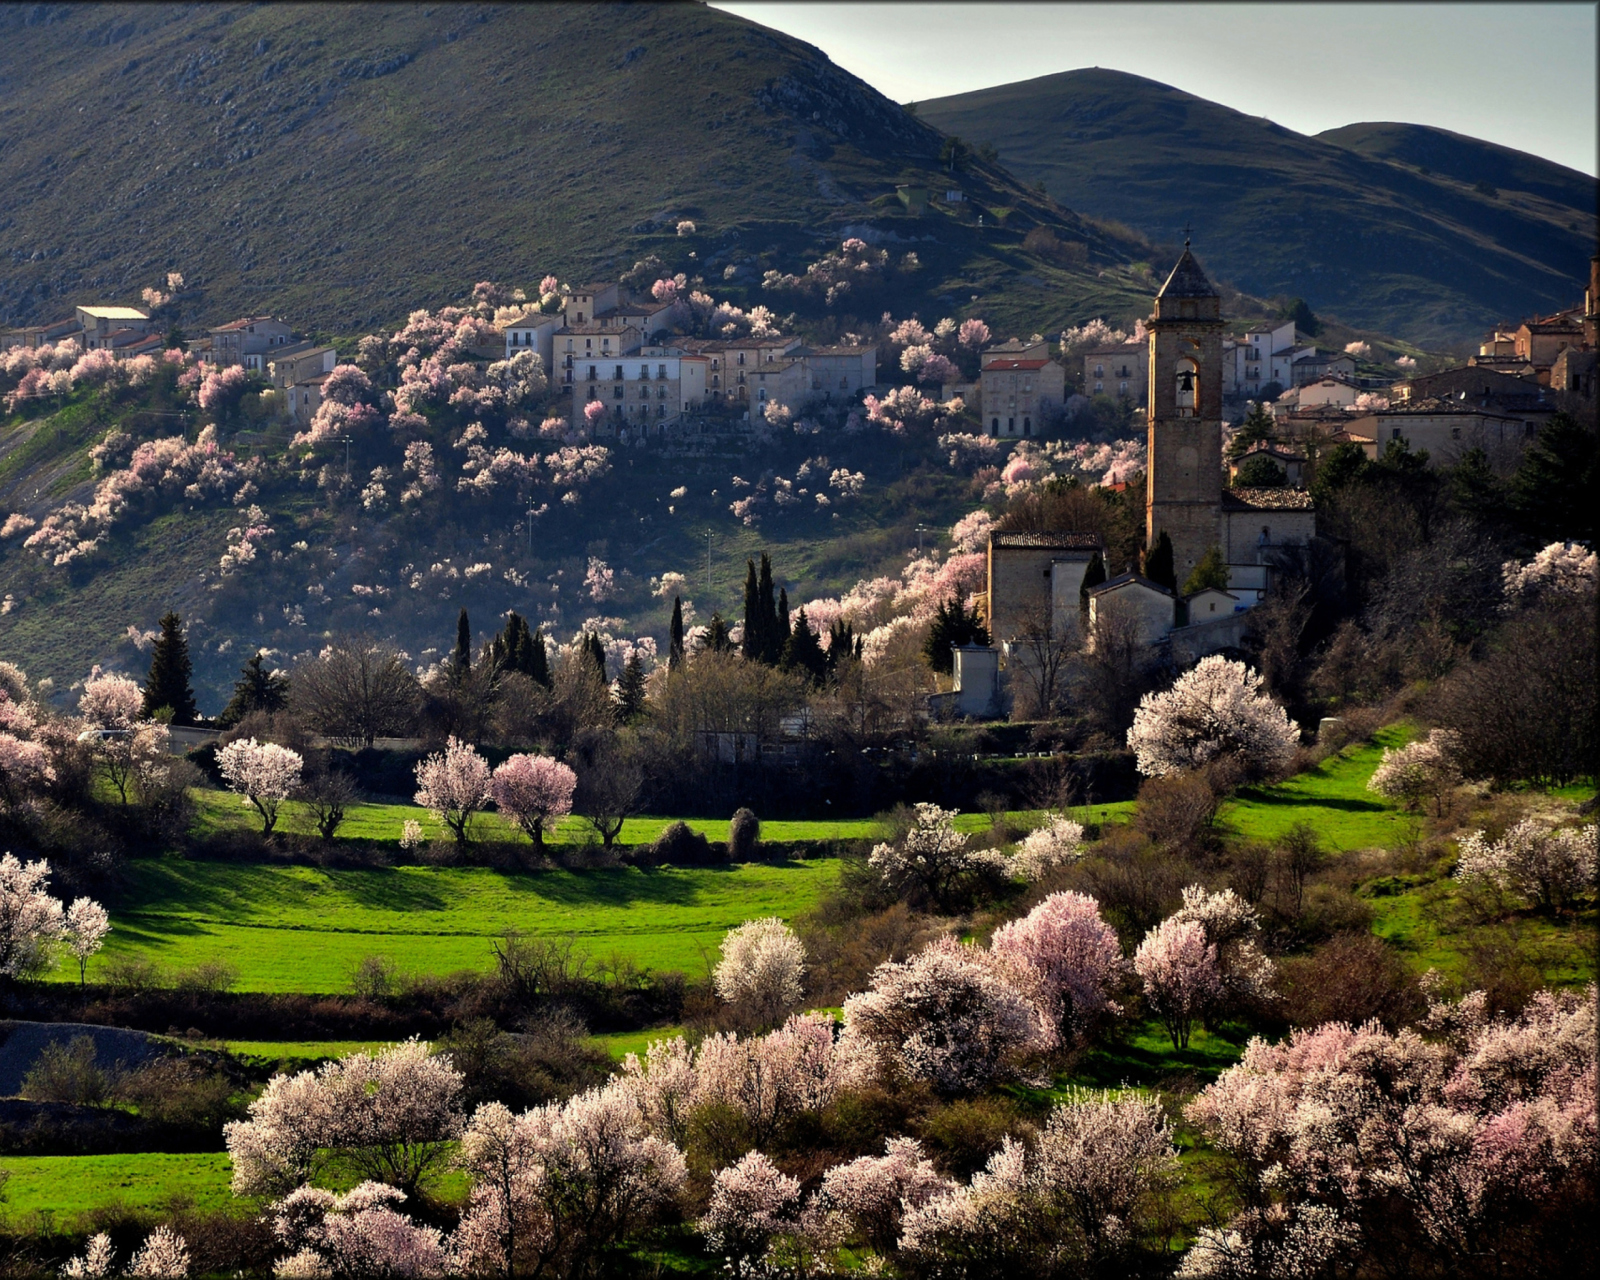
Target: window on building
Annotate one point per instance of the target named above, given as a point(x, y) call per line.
point(619, 373)
point(994, 427)
point(591, 373)
point(1011, 426)
point(1099, 371)
point(741, 357)
point(1027, 426)
point(1122, 388)
point(617, 392)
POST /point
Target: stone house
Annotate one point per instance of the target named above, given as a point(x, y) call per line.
point(1121, 371)
point(108, 328)
point(248, 341)
point(1150, 607)
point(1034, 578)
point(1017, 395)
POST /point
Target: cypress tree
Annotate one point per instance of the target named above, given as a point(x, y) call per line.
point(168, 682)
point(461, 655)
point(1158, 566)
point(533, 659)
point(717, 638)
point(597, 655)
point(751, 646)
point(1093, 576)
point(783, 629)
point(256, 689)
point(675, 635)
point(802, 652)
point(771, 641)
point(842, 644)
point(630, 688)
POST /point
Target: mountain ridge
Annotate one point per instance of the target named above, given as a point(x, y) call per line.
point(1345, 221)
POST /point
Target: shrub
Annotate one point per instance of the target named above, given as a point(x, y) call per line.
point(1352, 978)
point(681, 846)
point(68, 1073)
point(744, 834)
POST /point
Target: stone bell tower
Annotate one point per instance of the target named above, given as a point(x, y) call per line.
point(1183, 495)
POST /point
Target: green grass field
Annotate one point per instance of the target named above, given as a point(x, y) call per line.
point(302, 928)
point(68, 1185)
point(1333, 798)
point(382, 823)
point(617, 1043)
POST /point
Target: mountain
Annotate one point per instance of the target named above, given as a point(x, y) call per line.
point(341, 165)
point(1414, 231)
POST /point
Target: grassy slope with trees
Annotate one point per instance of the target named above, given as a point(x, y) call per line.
point(1414, 231)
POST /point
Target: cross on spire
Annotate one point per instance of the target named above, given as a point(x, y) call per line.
point(1185, 233)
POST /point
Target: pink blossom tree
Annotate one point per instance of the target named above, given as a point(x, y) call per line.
point(752, 1206)
point(594, 415)
point(1180, 974)
point(973, 334)
point(453, 785)
point(868, 1198)
point(110, 702)
point(264, 773)
point(1217, 709)
point(1445, 1149)
point(1074, 951)
point(535, 792)
point(356, 1234)
point(1232, 926)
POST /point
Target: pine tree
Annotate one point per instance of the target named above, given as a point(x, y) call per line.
point(461, 655)
point(256, 689)
point(675, 636)
point(1553, 488)
point(802, 652)
point(1093, 576)
point(1212, 571)
point(630, 688)
point(952, 626)
point(750, 646)
point(717, 638)
point(1158, 566)
point(1255, 429)
point(167, 685)
point(1477, 491)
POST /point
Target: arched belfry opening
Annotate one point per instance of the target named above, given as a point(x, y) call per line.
point(1186, 388)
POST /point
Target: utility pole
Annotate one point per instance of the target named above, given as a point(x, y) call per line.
point(922, 529)
point(708, 567)
point(530, 527)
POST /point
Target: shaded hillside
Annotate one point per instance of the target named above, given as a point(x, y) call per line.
point(343, 164)
point(1345, 220)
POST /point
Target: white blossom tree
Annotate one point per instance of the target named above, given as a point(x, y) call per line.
point(761, 967)
point(84, 931)
point(1217, 709)
point(1543, 864)
point(390, 1115)
point(949, 1015)
point(354, 1235)
point(264, 773)
point(1056, 844)
point(1560, 569)
point(933, 860)
point(30, 919)
point(453, 785)
point(558, 1185)
point(753, 1206)
point(1428, 767)
point(1232, 926)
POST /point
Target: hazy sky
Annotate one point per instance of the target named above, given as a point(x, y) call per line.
point(1522, 75)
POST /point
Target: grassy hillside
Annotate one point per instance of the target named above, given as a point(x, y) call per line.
point(1383, 226)
point(340, 165)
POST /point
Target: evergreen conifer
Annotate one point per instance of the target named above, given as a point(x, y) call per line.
point(597, 655)
point(952, 625)
point(750, 646)
point(1158, 566)
point(675, 652)
point(461, 655)
point(1093, 576)
point(1212, 571)
point(256, 689)
point(630, 688)
point(803, 653)
point(167, 685)
point(717, 638)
